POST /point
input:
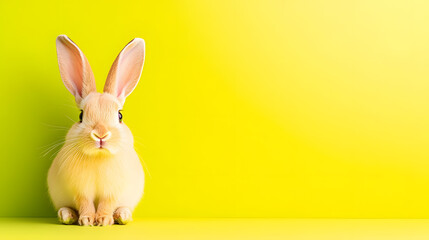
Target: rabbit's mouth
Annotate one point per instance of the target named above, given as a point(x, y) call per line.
point(95, 149)
point(100, 144)
point(104, 147)
point(100, 149)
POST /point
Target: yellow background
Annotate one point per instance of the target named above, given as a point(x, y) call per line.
point(244, 108)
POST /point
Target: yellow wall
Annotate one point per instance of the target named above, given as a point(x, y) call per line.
point(245, 108)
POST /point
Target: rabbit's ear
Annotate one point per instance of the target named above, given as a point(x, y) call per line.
point(126, 70)
point(74, 69)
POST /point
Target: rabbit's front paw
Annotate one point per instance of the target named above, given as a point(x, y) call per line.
point(86, 220)
point(122, 215)
point(104, 220)
point(67, 215)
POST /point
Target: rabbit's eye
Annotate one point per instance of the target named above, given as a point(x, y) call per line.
point(80, 115)
point(120, 116)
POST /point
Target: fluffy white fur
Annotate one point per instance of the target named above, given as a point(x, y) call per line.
point(90, 181)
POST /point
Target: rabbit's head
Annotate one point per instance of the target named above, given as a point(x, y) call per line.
point(100, 129)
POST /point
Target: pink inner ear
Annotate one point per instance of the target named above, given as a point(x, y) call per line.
point(71, 67)
point(126, 70)
point(129, 70)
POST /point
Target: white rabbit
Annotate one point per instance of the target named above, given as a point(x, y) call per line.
point(97, 177)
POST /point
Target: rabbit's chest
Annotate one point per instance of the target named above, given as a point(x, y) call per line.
point(108, 179)
point(98, 179)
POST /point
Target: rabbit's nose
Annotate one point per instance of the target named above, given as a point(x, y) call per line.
point(97, 137)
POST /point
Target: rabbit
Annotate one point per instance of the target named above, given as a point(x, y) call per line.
point(97, 178)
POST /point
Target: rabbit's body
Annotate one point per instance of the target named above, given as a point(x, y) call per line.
point(97, 176)
point(70, 176)
point(104, 177)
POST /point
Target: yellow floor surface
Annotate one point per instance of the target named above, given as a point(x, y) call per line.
point(350, 229)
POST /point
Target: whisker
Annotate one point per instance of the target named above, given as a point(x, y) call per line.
point(52, 148)
point(71, 119)
point(54, 126)
point(54, 145)
point(69, 105)
point(135, 140)
point(145, 167)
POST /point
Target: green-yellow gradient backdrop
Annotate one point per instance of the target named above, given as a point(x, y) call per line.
point(244, 108)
